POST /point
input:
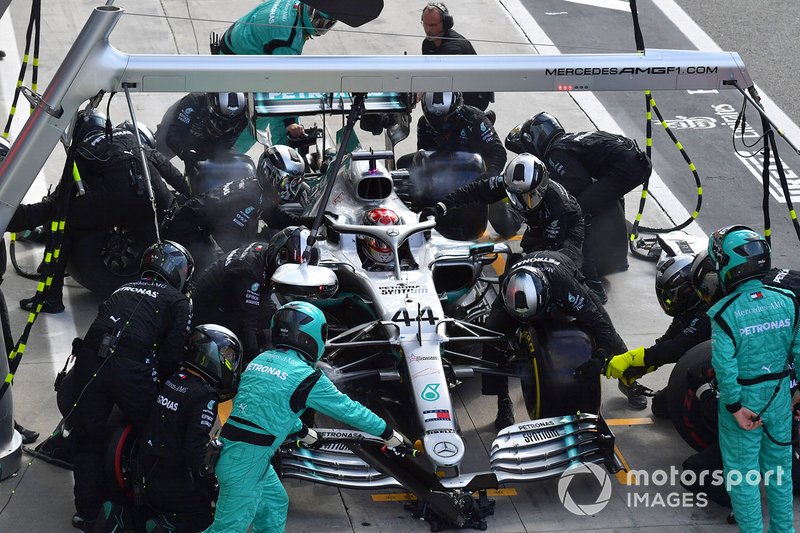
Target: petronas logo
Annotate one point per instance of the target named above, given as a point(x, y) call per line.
point(431, 392)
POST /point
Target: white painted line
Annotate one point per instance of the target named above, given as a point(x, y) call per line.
point(617, 5)
point(598, 114)
point(702, 41)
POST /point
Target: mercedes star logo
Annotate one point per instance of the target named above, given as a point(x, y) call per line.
point(445, 449)
point(392, 233)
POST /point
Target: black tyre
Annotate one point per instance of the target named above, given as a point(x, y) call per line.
point(546, 365)
point(118, 462)
point(609, 237)
point(433, 175)
point(693, 415)
point(220, 169)
point(102, 261)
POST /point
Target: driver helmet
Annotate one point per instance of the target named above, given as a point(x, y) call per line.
point(739, 254)
point(534, 135)
point(88, 122)
point(705, 279)
point(146, 135)
point(374, 249)
point(288, 245)
point(169, 261)
point(439, 108)
point(281, 167)
point(526, 179)
point(215, 353)
point(5, 147)
point(301, 327)
point(674, 289)
point(321, 22)
point(526, 293)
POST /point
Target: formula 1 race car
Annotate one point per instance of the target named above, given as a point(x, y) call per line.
point(401, 336)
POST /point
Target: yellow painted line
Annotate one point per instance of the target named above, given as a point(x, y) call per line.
point(499, 265)
point(408, 497)
point(629, 421)
point(396, 497)
point(502, 492)
point(622, 475)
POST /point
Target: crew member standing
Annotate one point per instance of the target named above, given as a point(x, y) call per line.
point(442, 39)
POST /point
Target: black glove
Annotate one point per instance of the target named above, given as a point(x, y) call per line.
point(190, 159)
point(437, 211)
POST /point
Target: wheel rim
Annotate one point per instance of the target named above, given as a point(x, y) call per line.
point(121, 252)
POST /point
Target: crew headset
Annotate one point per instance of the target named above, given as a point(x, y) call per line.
point(447, 18)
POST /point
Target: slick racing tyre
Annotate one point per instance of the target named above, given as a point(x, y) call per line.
point(118, 463)
point(546, 363)
point(433, 175)
point(692, 406)
point(608, 235)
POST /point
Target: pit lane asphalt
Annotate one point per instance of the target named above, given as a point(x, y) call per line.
point(43, 498)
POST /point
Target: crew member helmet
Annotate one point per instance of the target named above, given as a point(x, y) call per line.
point(534, 135)
point(739, 254)
point(215, 353)
point(526, 293)
point(321, 22)
point(301, 327)
point(225, 110)
point(526, 179)
point(705, 278)
point(288, 245)
point(146, 135)
point(87, 123)
point(439, 108)
point(169, 261)
point(372, 248)
point(674, 289)
point(281, 167)
point(227, 106)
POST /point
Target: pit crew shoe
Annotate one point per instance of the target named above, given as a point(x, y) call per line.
point(635, 394)
point(112, 518)
point(48, 306)
point(159, 524)
point(79, 522)
point(505, 413)
point(659, 405)
point(596, 286)
point(56, 450)
point(28, 435)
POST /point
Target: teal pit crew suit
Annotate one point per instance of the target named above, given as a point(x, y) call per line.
point(754, 332)
point(275, 389)
point(274, 27)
